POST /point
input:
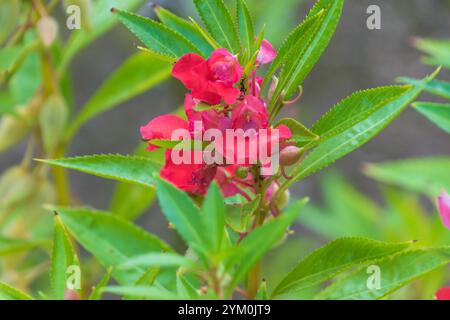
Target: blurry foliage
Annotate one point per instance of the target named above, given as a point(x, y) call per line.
point(437, 54)
point(36, 106)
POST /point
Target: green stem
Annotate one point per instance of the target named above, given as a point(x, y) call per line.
point(261, 212)
point(61, 180)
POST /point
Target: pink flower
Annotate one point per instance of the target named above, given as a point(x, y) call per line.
point(251, 113)
point(444, 208)
point(224, 67)
point(266, 53)
point(210, 80)
point(162, 128)
point(192, 178)
point(443, 294)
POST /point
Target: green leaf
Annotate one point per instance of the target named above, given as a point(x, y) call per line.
point(9, 293)
point(10, 246)
point(219, 23)
point(437, 87)
point(135, 76)
point(255, 245)
point(354, 137)
point(424, 175)
point(334, 258)
point(156, 36)
point(396, 271)
point(97, 293)
point(130, 201)
point(159, 260)
point(102, 21)
point(130, 169)
point(142, 292)
point(354, 109)
point(111, 240)
point(9, 16)
point(186, 29)
point(269, 13)
point(185, 288)
point(307, 51)
point(300, 133)
point(298, 34)
point(26, 80)
point(245, 26)
point(213, 214)
point(438, 51)
point(181, 211)
point(63, 256)
point(438, 113)
point(348, 212)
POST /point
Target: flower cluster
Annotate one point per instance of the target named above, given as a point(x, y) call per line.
point(222, 98)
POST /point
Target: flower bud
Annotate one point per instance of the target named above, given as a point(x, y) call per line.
point(283, 200)
point(53, 119)
point(272, 88)
point(47, 28)
point(71, 295)
point(13, 128)
point(290, 155)
point(444, 208)
point(16, 185)
point(242, 172)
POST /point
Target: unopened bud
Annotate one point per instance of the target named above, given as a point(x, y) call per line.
point(48, 30)
point(53, 119)
point(13, 128)
point(242, 172)
point(283, 200)
point(71, 295)
point(272, 88)
point(16, 185)
point(290, 156)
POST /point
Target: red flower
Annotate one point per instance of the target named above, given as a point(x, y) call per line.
point(210, 119)
point(266, 53)
point(192, 178)
point(229, 183)
point(443, 294)
point(162, 128)
point(250, 114)
point(210, 80)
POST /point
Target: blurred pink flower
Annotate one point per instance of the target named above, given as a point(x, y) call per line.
point(444, 208)
point(443, 294)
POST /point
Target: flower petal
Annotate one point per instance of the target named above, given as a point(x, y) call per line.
point(162, 128)
point(444, 208)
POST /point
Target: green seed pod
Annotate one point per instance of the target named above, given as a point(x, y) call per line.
point(283, 200)
point(13, 128)
point(53, 119)
point(290, 156)
point(16, 185)
point(242, 172)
